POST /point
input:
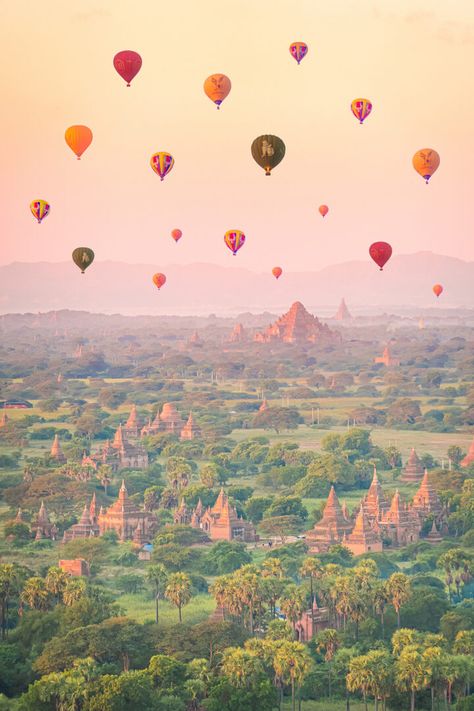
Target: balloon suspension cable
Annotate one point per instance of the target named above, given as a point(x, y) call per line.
point(78, 157)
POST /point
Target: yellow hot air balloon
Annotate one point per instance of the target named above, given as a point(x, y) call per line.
point(78, 139)
point(361, 108)
point(40, 209)
point(217, 87)
point(426, 162)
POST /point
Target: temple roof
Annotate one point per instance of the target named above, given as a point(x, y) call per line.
point(426, 497)
point(363, 531)
point(342, 312)
point(133, 419)
point(56, 451)
point(297, 325)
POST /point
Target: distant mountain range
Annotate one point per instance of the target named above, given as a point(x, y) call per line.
point(111, 287)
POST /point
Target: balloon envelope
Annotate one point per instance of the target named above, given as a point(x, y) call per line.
point(159, 280)
point(438, 290)
point(380, 253)
point(40, 209)
point(268, 151)
point(361, 108)
point(78, 139)
point(162, 163)
point(83, 257)
point(234, 239)
point(176, 235)
point(217, 87)
point(323, 209)
point(127, 64)
point(298, 50)
point(426, 161)
point(277, 272)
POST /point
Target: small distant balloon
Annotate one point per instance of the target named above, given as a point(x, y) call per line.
point(298, 50)
point(176, 235)
point(268, 151)
point(217, 87)
point(438, 290)
point(40, 209)
point(159, 280)
point(426, 162)
point(234, 239)
point(380, 253)
point(127, 63)
point(277, 272)
point(78, 139)
point(83, 258)
point(162, 163)
point(323, 209)
point(361, 108)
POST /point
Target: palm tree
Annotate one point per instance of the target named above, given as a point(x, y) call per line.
point(74, 590)
point(249, 588)
point(360, 677)
point(241, 666)
point(380, 599)
point(272, 567)
point(292, 604)
point(435, 663)
point(56, 581)
point(292, 663)
point(328, 642)
point(311, 569)
point(35, 594)
point(158, 576)
point(412, 672)
point(399, 592)
point(104, 475)
point(8, 586)
point(381, 665)
point(178, 591)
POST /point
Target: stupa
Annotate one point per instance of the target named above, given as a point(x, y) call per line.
point(414, 468)
point(331, 529)
point(190, 430)
point(364, 537)
point(387, 359)
point(222, 522)
point(297, 326)
point(343, 312)
point(426, 500)
point(170, 419)
point(124, 517)
point(133, 425)
point(238, 335)
point(56, 451)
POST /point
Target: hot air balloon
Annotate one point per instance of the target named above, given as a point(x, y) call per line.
point(234, 239)
point(361, 108)
point(127, 64)
point(268, 151)
point(217, 87)
point(438, 290)
point(277, 272)
point(298, 50)
point(162, 163)
point(176, 235)
point(78, 139)
point(323, 209)
point(426, 162)
point(380, 253)
point(159, 280)
point(83, 257)
point(40, 209)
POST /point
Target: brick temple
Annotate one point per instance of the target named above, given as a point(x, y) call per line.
point(297, 326)
point(220, 522)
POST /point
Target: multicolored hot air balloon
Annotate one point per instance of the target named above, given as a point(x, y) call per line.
point(323, 209)
point(162, 163)
point(78, 139)
point(361, 108)
point(127, 63)
point(234, 239)
point(159, 280)
point(380, 253)
point(268, 151)
point(83, 258)
point(40, 209)
point(277, 272)
point(298, 50)
point(426, 162)
point(217, 87)
point(438, 290)
point(176, 235)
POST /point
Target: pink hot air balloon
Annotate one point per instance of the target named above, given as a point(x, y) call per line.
point(323, 210)
point(127, 64)
point(176, 235)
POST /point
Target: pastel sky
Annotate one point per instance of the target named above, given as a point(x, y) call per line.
point(412, 58)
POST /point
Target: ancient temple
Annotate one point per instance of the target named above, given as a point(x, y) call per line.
point(125, 518)
point(363, 538)
point(168, 420)
point(190, 430)
point(130, 455)
point(400, 524)
point(56, 451)
point(387, 359)
point(434, 536)
point(195, 339)
point(413, 468)
point(133, 425)
point(42, 526)
point(469, 458)
point(182, 515)
point(342, 312)
point(297, 326)
point(331, 528)
point(222, 522)
point(311, 622)
point(238, 335)
point(87, 525)
point(426, 501)
point(375, 501)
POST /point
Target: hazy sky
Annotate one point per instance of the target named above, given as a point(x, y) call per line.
point(412, 58)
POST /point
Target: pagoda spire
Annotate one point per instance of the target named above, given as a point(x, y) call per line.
point(118, 442)
point(56, 451)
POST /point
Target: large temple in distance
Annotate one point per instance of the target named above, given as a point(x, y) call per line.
point(220, 522)
point(297, 326)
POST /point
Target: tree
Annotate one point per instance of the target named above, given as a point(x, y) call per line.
point(360, 677)
point(9, 581)
point(458, 568)
point(256, 507)
point(287, 506)
point(278, 418)
point(75, 589)
point(399, 592)
point(56, 581)
point(241, 667)
point(178, 591)
point(35, 594)
point(455, 454)
point(157, 575)
point(380, 599)
point(293, 604)
point(327, 642)
point(292, 663)
point(178, 472)
point(403, 411)
point(412, 672)
point(280, 526)
point(209, 475)
point(311, 569)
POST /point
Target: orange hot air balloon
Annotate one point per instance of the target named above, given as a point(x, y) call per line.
point(380, 253)
point(217, 87)
point(298, 50)
point(78, 139)
point(159, 280)
point(361, 108)
point(127, 63)
point(426, 162)
point(277, 272)
point(438, 290)
point(323, 209)
point(176, 235)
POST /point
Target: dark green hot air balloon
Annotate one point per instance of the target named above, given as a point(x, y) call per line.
point(268, 151)
point(83, 257)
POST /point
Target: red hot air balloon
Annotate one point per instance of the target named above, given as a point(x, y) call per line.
point(176, 235)
point(323, 209)
point(277, 272)
point(127, 64)
point(380, 253)
point(159, 280)
point(438, 290)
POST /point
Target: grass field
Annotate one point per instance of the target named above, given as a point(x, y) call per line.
point(326, 705)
